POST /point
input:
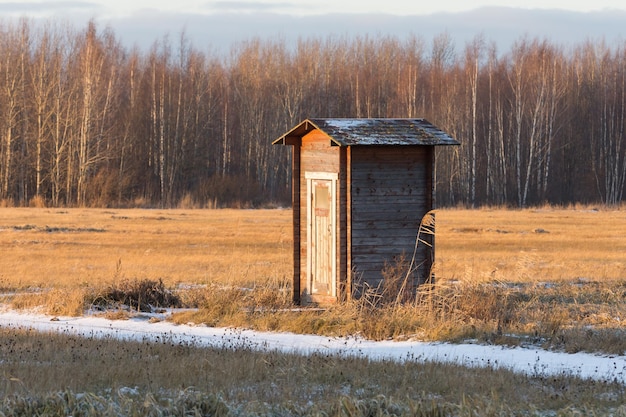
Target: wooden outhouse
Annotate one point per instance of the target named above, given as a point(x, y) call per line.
point(360, 188)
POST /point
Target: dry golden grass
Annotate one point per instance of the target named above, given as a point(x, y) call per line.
point(59, 374)
point(532, 245)
point(70, 248)
point(63, 248)
point(546, 274)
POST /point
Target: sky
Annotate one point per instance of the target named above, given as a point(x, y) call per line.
point(125, 8)
point(529, 360)
point(220, 24)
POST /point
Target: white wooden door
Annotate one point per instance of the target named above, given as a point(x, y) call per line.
point(322, 254)
point(321, 239)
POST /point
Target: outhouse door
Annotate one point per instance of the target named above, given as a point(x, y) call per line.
point(321, 265)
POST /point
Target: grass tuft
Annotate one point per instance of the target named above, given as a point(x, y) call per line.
point(139, 295)
point(55, 302)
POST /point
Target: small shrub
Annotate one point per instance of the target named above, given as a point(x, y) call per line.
point(187, 202)
point(140, 295)
point(37, 201)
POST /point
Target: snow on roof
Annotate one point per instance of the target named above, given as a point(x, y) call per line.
point(369, 132)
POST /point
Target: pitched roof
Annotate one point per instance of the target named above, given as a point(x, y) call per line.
point(368, 132)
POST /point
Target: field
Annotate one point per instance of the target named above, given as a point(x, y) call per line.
point(66, 248)
point(549, 277)
point(532, 246)
point(50, 248)
point(531, 272)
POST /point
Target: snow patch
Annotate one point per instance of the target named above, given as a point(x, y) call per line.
point(529, 361)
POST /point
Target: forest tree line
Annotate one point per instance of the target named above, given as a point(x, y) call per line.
point(85, 121)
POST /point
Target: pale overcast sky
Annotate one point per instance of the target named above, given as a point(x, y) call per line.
point(309, 7)
point(124, 8)
point(218, 24)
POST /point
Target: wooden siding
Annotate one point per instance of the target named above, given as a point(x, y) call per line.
point(295, 196)
point(391, 190)
point(343, 288)
point(316, 155)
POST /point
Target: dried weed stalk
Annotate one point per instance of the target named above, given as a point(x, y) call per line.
point(140, 295)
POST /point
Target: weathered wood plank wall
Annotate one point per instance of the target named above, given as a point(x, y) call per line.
point(391, 190)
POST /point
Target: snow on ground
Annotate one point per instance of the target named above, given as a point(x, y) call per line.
point(531, 361)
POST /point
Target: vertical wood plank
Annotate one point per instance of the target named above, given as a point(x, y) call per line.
point(348, 199)
point(295, 202)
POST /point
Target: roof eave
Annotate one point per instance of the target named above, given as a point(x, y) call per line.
point(294, 136)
